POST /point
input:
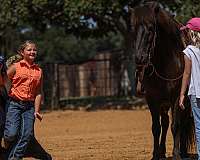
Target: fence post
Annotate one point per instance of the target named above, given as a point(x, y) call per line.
point(55, 88)
point(81, 80)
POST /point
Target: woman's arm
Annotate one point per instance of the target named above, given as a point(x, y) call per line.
point(185, 80)
point(10, 73)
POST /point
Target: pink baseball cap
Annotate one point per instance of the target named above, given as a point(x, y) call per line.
point(193, 24)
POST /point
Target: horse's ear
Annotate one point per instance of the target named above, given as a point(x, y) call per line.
point(157, 9)
point(131, 10)
point(154, 6)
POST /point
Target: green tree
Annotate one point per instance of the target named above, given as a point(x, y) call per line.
point(85, 18)
point(95, 18)
point(182, 9)
point(12, 15)
point(55, 45)
point(187, 9)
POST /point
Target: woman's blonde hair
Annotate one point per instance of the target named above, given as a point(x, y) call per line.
point(195, 36)
point(24, 45)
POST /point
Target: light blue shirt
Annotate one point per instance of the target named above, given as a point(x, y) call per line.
point(193, 53)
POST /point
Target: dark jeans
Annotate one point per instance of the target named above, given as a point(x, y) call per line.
point(19, 127)
point(34, 149)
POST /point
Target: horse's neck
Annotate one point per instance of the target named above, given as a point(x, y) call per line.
point(167, 58)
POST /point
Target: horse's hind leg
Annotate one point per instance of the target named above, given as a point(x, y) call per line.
point(187, 130)
point(165, 126)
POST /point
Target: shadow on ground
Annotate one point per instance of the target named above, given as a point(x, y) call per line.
point(191, 157)
point(102, 103)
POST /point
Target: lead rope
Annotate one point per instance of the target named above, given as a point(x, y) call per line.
point(162, 77)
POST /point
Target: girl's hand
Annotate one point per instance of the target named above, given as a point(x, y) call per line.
point(38, 115)
point(181, 102)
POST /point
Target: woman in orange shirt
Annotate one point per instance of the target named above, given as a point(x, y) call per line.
point(24, 103)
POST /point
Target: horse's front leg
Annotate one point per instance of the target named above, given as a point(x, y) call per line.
point(156, 129)
point(165, 126)
point(175, 127)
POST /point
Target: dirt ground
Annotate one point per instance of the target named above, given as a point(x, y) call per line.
point(98, 135)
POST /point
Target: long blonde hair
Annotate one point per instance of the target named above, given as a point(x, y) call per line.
point(195, 37)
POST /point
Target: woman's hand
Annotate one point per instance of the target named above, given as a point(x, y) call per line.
point(181, 102)
point(38, 116)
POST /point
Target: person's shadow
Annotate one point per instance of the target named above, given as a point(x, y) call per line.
point(191, 157)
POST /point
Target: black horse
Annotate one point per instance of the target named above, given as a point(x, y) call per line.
point(158, 46)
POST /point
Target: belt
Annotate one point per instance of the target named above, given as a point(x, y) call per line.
point(24, 103)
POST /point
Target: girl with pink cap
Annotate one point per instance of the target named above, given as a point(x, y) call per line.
point(191, 75)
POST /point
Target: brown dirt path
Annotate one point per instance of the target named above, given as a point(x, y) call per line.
point(98, 135)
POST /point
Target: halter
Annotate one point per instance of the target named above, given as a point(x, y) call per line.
point(150, 55)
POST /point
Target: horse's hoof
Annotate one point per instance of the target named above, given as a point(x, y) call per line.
point(176, 158)
point(163, 158)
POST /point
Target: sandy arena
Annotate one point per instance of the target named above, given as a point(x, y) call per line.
point(98, 135)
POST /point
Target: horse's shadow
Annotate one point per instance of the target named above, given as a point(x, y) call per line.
point(190, 157)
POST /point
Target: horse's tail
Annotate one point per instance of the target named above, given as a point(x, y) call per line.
point(187, 129)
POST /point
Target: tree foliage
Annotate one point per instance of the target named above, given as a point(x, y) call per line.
point(182, 9)
point(57, 46)
point(81, 17)
point(187, 9)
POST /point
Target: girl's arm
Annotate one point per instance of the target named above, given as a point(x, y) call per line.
point(38, 100)
point(185, 80)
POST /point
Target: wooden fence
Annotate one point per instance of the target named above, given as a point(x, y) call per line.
point(97, 77)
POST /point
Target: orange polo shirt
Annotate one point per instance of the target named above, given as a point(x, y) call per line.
point(26, 81)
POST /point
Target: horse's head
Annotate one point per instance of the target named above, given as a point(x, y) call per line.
point(144, 32)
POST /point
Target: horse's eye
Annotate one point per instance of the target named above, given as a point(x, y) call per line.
point(151, 28)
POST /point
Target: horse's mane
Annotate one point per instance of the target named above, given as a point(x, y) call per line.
point(172, 29)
